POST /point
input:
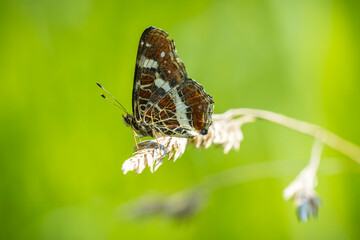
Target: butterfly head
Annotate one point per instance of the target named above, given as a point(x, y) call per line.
point(128, 120)
point(139, 129)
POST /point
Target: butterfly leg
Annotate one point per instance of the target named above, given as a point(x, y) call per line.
point(137, 146)
point(156, 141)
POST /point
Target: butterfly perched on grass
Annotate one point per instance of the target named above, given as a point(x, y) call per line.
point(165, 102)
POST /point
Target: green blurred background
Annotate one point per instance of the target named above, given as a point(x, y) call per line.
point(62, 146)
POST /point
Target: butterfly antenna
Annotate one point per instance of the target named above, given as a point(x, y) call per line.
point(119, 106)
point(110, 101)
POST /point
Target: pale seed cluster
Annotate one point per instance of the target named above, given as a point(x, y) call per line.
point(225, 132)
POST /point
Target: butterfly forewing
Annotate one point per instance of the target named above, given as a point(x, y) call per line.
point(164, 99)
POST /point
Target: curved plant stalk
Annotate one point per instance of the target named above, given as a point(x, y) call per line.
point(226, 132)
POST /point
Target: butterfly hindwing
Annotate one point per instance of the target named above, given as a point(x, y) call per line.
point(185, 110)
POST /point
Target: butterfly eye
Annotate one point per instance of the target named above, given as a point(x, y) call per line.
point(127, 120)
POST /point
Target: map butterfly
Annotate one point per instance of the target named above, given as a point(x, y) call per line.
point(165, 102)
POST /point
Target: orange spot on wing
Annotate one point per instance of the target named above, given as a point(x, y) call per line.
point(144, 94)
point(163, 115)
point(165, 101)
point(172, 123)
point(146, 79)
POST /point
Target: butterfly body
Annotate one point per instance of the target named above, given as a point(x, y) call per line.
point(165, 101)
